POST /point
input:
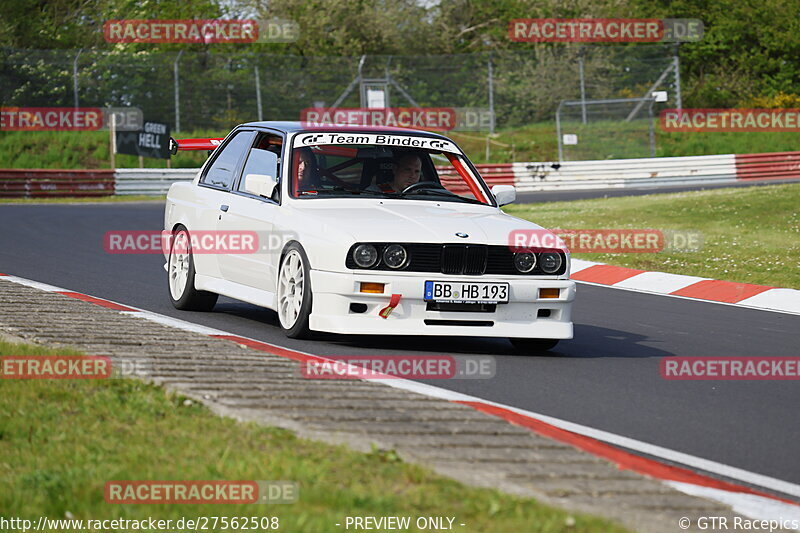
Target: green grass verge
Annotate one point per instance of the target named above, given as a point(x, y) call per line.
point(535, 142)
point(61, 440)
point(82, 200)
point(83, 149)
point(751, 234)
point(538, 142)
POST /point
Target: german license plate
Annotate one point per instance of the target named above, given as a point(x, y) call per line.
point(465, 292)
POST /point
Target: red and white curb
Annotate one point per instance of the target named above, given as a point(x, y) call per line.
point(743, 499)
point(691, 287)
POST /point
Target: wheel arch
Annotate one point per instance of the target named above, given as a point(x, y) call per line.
point(284, 251)
point(178, 223)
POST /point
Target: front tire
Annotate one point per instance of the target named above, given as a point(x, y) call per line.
point(181, 274)
point(294, 293)
point(533, 346)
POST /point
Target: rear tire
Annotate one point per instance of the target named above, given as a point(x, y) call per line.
point(533, 346)
point(181, 274)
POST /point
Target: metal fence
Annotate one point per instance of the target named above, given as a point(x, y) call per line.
point(617, 128)
point(200, 90)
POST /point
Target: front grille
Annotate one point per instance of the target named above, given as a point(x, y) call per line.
point(463, 259)
point(452, 259)
point(475, 262)
point(455, 259)
point(501, 260)
point(424, 257)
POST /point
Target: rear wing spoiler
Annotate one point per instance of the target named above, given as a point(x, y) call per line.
point(192, 144)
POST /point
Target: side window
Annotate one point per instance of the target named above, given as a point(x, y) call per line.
point(263, 159)
point(222, 169)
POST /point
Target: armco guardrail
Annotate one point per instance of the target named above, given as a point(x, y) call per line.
point(153, 181)
point(16, 183)
point(656, 172)
point(623, 173)
point(615, 173)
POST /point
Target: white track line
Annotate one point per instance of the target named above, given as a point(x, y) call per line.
point(33, 284)
point(173, 322)
point(750, 505)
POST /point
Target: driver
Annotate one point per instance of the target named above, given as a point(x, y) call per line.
point(307, 171)
point(407, 171)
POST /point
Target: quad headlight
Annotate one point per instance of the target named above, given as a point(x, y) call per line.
point(550, 262)
point(365, 255)
point(395, 256)
point(524, 262)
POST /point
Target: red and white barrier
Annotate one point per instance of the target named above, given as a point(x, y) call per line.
point(41, 183)
point(656, 172)
point(526, 177)
point(775, 165)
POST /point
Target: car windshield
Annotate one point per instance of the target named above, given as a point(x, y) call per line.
point(348, 165)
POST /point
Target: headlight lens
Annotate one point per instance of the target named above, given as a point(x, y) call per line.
point(365, 255)
point(524, 262)
point(395, 256)
point(550, 262)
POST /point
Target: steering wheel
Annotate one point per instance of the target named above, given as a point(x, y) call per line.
point(421, 185)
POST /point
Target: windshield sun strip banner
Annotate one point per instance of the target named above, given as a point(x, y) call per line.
point(379, 139)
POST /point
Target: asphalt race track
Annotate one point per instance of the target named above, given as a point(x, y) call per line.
point(606, 378)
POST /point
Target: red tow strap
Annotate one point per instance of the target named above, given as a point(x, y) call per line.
point(386, 311)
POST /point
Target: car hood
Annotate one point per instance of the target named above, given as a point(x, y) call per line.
point(368, 220)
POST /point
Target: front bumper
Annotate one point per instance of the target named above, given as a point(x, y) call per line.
point(334, 292)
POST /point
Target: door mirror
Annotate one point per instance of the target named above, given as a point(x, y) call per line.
point(258, 173)
point(504, 194)
point(259, 184)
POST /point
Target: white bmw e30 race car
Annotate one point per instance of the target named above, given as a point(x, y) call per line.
point(362, 231)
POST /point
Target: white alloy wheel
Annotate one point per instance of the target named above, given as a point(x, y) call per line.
point(291, 288)
point(179, 258)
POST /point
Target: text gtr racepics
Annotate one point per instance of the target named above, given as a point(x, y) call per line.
point(361, 231)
